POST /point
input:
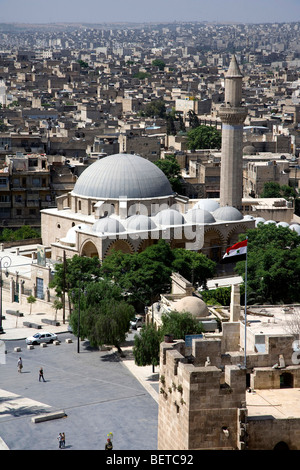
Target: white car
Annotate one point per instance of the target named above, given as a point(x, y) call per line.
point(44, 337)
point(137, 322)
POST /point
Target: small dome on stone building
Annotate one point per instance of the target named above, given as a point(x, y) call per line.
point(108, 225)
point(70, 238)
point(209, 205)
point(199, 216)
point(228, 214)
point(193, 305)
point(169, 217)
point(139, 222)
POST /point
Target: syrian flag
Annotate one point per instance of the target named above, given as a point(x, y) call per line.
point(235, 253)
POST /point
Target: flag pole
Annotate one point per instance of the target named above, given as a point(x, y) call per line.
point(245, 315)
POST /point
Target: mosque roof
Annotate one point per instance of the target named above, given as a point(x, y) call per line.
point(199, 216)
point(108, 225)
point(227, 213)
point(139, 222)
point(192, 304)
point(123, 175)
point(169, 217)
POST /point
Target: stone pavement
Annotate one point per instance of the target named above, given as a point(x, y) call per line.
point(14, 329)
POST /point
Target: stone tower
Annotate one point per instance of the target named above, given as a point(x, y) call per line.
point(232, 115)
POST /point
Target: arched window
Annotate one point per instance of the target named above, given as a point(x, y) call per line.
point(281, 446)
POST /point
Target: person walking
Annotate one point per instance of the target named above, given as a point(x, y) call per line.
point(20, 365)
point(63, 440)
point(41, 375)
point(59, 440)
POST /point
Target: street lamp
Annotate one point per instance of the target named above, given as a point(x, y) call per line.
point(5, 262)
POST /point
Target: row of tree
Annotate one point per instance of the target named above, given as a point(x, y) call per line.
point(106, 296)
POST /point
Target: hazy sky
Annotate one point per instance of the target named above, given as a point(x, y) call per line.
point(99, 11)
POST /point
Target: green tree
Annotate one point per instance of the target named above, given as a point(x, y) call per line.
point(141, 275)
point(273, 265)
point(159, 63)
point(155, 109)
point(220, 296)
point(171, 169)
point(193, 119)
point(273, 189)
point(104, 314)
point(146, 346)
point(77, 272)
point(180, 324)
point(204, 137)
point(193, 266)
point(31, 300)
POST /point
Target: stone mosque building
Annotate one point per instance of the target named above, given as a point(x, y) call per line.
point(125, 202)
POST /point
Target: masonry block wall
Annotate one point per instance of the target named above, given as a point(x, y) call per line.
point(198, 405)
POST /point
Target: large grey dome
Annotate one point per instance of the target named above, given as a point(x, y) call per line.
point(123, 175)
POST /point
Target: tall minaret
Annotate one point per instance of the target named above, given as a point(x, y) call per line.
point(232, 115)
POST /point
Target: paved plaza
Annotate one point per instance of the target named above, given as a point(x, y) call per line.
point(99, 393)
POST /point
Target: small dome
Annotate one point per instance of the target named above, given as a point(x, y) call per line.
point(70, 238)
point(259, 220)
point(295, 228)
point(108, 225)
point(248, 217)
point(193, 305)
point(227, 213)
point(249, 150)
point(199, 216)
point(282, 224)
point(169, 217)
point(209, 205)
point(139, 222)
point(267, 222)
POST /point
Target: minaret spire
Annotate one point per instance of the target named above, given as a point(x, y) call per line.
point(232, 115)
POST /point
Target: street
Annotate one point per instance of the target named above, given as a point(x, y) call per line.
point(97, 392)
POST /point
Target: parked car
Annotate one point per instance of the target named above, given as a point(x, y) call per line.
point(137, 322)
point(44, 337)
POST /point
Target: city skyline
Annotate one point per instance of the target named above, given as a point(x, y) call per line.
point(93, 11)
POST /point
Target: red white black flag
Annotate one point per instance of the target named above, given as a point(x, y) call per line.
point(235, 252)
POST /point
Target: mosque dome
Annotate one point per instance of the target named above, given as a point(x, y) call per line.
point(139, 222)
point(227, 213)
point(199, 216)
point(70, 238)
point(193, 305)
point(259, 220)
point(268, 222)
point(123, 175)
point(295, 228)
point(282, 224)
point(209, 205)
point(108, 225)
point(249, 150)
point(169, 217)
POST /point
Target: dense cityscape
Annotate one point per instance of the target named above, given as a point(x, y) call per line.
point(134, 157)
